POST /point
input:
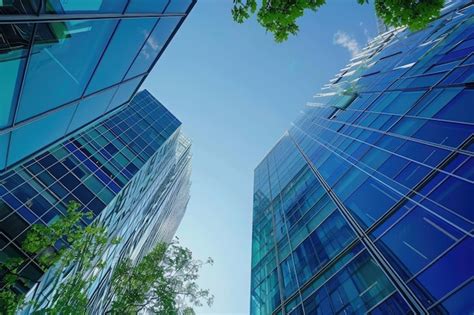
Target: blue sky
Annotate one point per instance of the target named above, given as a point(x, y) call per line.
point(236, 91)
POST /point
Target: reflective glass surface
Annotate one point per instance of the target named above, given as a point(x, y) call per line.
point(68, 57)
point(82, 6)
point(92, 167)
point(375, 183)
point(39, 133)
point(13, 51)
point(153, 46)
point(47, 66)
point(91, 108)
point(138, 6)
point(126, 42)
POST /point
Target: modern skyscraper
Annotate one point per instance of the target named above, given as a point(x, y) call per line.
point(365, 204)
point(64, 64)
point(131, 170)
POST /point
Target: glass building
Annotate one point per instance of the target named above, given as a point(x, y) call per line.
point(365, 204)
point(135, 159)
point(64, 63)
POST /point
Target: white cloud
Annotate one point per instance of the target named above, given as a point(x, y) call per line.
point(343, 39)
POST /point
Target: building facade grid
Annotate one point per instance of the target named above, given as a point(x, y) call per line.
point(363, 206)
point(71, 62)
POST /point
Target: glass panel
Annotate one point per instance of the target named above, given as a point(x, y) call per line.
point(455, 268)
point(124, 93)
point(13, 49)
point(178, 6)
point(127, 41)
point(416, 240)
point(354, 289)
point(32, 137)
point(91, 108)
point(153, 46)
point(19, 7)
point(3, 149)
point(461, 301)
point(76, 6)
point(147, 6)
point(64, 56)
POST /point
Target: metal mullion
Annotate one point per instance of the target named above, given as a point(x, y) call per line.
point(417, 187)
point(287, 234)
point(388, 270)
point(393, 189)
point(437, 258)
point(354, 139)
point(141, 47)
point(409, 116)
point(177, 27)
point(34, 177)
point(20, 89)
point(104, 50)
point(455, 290)
point(48, 18)
point(396, 135)
point(275, 246)
point(324, 269)
point(68, 104)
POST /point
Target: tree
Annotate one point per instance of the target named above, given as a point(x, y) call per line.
point(66, 243)
point(279, 16)
point(416, 14)
point(163, 282)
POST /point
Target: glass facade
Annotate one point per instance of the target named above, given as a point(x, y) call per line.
point(364, 205)
point(130, 157)
point(57, 57)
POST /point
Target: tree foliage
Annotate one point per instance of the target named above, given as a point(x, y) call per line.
point(66, 243)
point(163, 282)
point(279, 16)
point(415, 14)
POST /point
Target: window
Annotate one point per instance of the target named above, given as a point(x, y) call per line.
point(416, 240)
point(83, 6)
point(126, 43)
point(178, 6)
point(147, 6)
point(90, 108)
point(13, 50)
point(29, 138)
point(153, 45)
point(63, 59)
point(124, 93)
point(4, 139)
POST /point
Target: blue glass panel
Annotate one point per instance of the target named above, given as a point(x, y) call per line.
point(91, 108)
point(354, 289)
point(460, 108)
point(124, 93)
point(288, 277)
point(82, 6)
point(153, 45)
point(38, 134)
point(61, 64)
point(455, 268)
point(178, 6)
point(393, 305)
point(127, 41)
point(461, 302)
point(147, 6)
point(416, 240)
point(455, 195)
